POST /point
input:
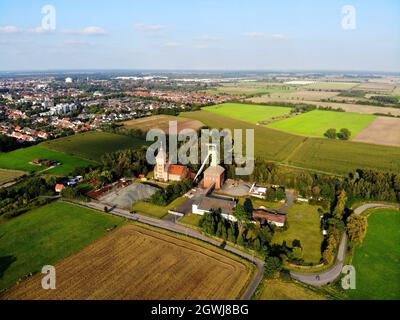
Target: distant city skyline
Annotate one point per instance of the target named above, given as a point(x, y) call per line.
point(199, 35)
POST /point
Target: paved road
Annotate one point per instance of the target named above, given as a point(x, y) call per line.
point(169, 225)
point(331, 274)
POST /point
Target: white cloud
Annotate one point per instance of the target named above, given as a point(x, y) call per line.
point(279, 37)
point(88, 31)
point(254, 34)
point(9, 29)
point(40, 30)
point(201, 46)
point(171, 44)
point(207, 37)
point(149, 27)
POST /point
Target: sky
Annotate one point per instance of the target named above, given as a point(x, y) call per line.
point(200, 35)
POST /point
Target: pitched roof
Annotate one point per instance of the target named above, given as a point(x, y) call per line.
point(177, 169)
point(269, 215)
point(208, 203)
point(215, 170)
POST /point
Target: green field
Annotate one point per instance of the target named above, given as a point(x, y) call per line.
point(154, 211)
point(92, 145)
point(304, 225)
point(191, 219)
point(377, 259)
point(248, 112)
point(47, 235)
point(330, 156)
point(342, 157)
point(316, 122)
point(285, 290)
point(269, 143)
point(20, 160)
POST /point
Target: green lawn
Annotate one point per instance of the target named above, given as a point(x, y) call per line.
point(248, 112)
point(191, 219)
point(304, 225)
point(154, 211)
point(92, 145)
point(316, 122)
point(377, 260)
point(286, 290)
point(20, 160)
point(47, 235)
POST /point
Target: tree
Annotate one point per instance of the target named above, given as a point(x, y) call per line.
point(357, 228)
point(272, 266)
point(340, 205)
point(248, 206)
point(344, 134)
point(329, 253)
point(296, 243)
point(330, 133)
point(240, 240)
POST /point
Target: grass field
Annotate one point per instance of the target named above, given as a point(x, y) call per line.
point(191, 219)
point(20, 160)
point(9, 175)
point(155, 211)
point(162, 122)
point(138, 262)
point(377, 259)
point(269, 143)
point(248, 112)
point(342, 157)
point(330, 156)
point(304, 225)
point(46, 235)
point(92, 145)
point(316, 122)
point(282, 290)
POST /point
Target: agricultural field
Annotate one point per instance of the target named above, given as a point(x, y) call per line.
point(348, 107)
point(342, 157)
point(286, 290)
point(251, 88)
point(330, 156)
point(92, 145)
point(316, 122)
point(377, 259)
point(21, 160)
point(298, 96)
point(376, 86)
point(269, 143)
point(330, 86)
point(156, 265)
point(45, 236)
point(384, 131)
point(162, 122)
point(248, 112)
point(154, 211)
point(304, 225)
point(9, 175)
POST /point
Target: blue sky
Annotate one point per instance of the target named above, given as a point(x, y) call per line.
point(200, 34)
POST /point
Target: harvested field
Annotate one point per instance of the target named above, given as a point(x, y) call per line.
point(331, 85)
point(9, 175)
point(126, 197)
point(376, 86)
point(281, 290)
point(384, 130)
point(162, 122)
point(348, 107)
point(136, 262)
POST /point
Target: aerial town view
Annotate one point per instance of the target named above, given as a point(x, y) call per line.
point(241, 151)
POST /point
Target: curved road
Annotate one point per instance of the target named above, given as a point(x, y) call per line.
point(331, 274)
point(168, 225)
